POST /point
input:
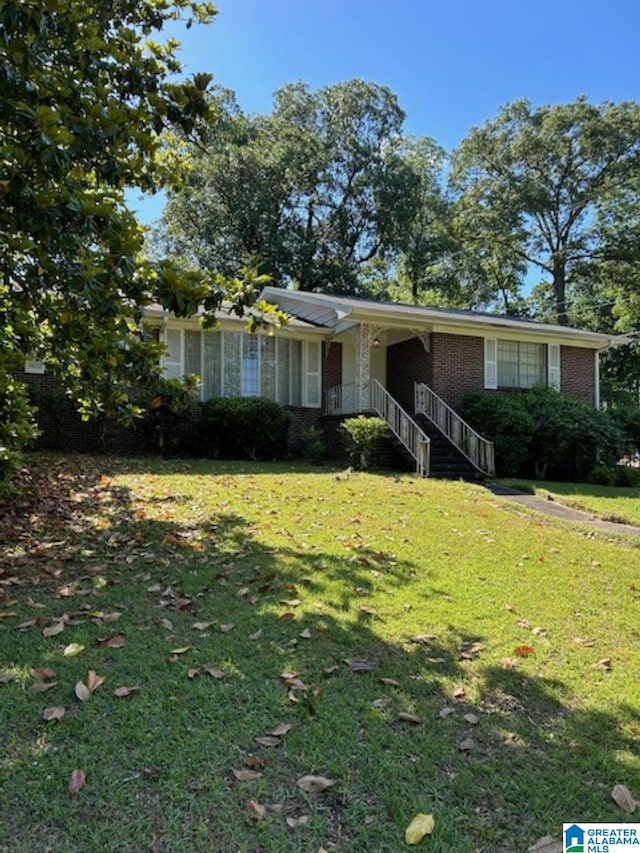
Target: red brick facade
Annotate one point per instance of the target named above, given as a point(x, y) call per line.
point(578, 373)
point(457, 364)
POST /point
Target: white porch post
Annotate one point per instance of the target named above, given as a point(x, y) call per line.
point(365, 334)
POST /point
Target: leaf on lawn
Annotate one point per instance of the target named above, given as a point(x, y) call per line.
point(382, 703)
point(41, 686)
point(194, 672)
point(507, 663)
point(268, 740)
point(330, 670)
point(466, 745)
point(459, 693)
point(226, 628)
point(93, 680)
point(7, 677)
point(166, 623)
point(446, 712)
point(120, 692)
point(213, 672)
point(256, 635)
point(582, 641)
point(547, 844)
point(358, 664)
point(53, 630)
point(293, 822)
point(368, 611)
point(202, 626)
point(54, 713)
point(623, 797)
point(282, 729)
point(389, 682)
point(523, 623)
point(246, 775)
point(256, 811)
point(253, 761)
point(76, 782)
point(421, 825)
point(182, 650)
point(291, 602)
point(72, 650)
point(471, 719)
point(115, 641)
point(82, 691)
point(409, 718)
point(43, 673)
point(604, 664)
point(524, 651)
point(315, 784)
point(306, 634)
point(511, 608)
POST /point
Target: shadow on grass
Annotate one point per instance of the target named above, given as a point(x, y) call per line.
point(499, 757)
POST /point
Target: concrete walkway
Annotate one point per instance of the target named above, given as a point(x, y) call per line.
point(557, 510)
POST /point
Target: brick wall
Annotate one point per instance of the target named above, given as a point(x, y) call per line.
point(457, 365)
point(407, 363)
point(578, 373)
point(332, 365)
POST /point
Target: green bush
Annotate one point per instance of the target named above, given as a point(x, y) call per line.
point(543, 434)
point(615, 475)
point(243, 427)
point(360, 436)
point(167, 407)
point(17, 427)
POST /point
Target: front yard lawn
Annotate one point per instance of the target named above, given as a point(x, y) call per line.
point(197, 638)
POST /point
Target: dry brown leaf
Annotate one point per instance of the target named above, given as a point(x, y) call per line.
point(41, 686)
point(246, 775)
point(446, 712)
point(315, 784)
point(256, 811)
point(213, 672)
point(194, 672)
point(459, 693)
point(389, 682)
point(53, 630)
point(368, 611)
point(507, 663)
point(546, 845)
point(125, 691)
point(202, 626)
point(82, 691)
point(409, 718)
point(115, 641)
point(76, 782)
point(182, 650)
point(43, 673)
point(306, 634)
point(358, 664)
point(226, 628)
point(93, 680)
point(293, 822)
point(54, 713)
point(253, 761)
point(582, 641)
point(268, 740)
point(604, 664)
point(72, 650)
point(471, 719)
point(524, 651)
point(623, 797)
point(466, 745)
point(523, 623)
point(282, 729)
point(166, 623)
point(256, 635)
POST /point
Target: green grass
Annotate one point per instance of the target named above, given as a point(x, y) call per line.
point(610, 503)
point(312, 569)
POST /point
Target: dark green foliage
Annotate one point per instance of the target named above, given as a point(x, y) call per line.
point(543, 434)
point(361, 435)
point(16, 423)
point(169, 407)
point(615, 475)
point(314, 447)
point(243, 427)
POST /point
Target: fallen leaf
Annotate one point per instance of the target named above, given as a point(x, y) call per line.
point(306, 634)
point(226, 628)
point(268, 740)
point(256, 635)
point(523, 623)
point(43, 673)
point(446, 712)
point(389, 682)
point(315, 784)
point(54, 713)
point(194, 672)
point(547, 844)
point(166, 623)
point(76, 782)
point(369, 611)
point(524, 651)
point(256, 811)
point(246, 775)
point(53, 630)
point(125, 691)
point(182, 650)
point(72, 650)
point(202, 626)
point(282, 729)
point(293, 822)
point(623, 797)
point(421, 825)
point(115, 641)
point(358, 664)
point(507, 663)
point(93, 680)
point(471, 719)
point(382, 703)
point(604, 664)
point(582, 641)
point(214, 673)
point(409, 718)
point(82, 691)
point(466, 745)
point(253, 761)
point(41, 686)
point(459, 693)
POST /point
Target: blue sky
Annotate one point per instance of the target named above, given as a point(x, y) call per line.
point(452, 63)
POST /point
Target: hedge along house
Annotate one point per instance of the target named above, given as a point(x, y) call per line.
point(339, 357)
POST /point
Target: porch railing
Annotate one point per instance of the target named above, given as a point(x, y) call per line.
point(402, 426)
point(342, 399)
point(470, 443)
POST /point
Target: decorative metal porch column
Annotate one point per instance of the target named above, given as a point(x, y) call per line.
point(364, 334)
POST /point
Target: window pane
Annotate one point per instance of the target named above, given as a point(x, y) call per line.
point(532, 365)
point(295, 372)
point(250, 377)
point(267, 367)
point(192, 354)
point(313, 373)
point(212, 367)
point(231, 383)
point(173, 359)
point(284, 378)
point(507, 364)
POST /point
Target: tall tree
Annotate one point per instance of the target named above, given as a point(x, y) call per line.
point(311, 194)
point(86, 95)
point(534, 182)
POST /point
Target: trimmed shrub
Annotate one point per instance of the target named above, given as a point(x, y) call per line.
point(360, 436)
point(168, 408)
point(543, 434)
point(243, 428)
point(314, 446)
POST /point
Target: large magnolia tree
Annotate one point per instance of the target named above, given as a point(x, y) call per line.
point(87, 96)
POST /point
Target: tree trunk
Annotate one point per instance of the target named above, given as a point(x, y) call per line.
point(559, 289)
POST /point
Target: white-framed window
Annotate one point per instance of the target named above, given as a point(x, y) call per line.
point(32, 365)
point(520, 364)
point(237, 364)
